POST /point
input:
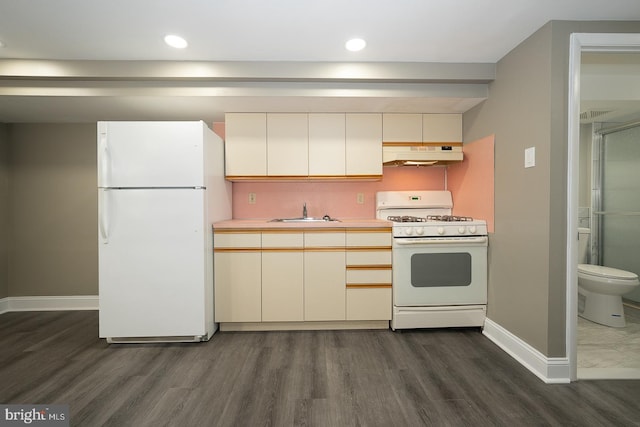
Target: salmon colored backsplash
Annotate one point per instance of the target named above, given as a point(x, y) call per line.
point(336, 199)
point(471, 181)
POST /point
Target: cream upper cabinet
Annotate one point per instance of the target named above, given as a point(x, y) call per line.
point(246, 144)
point(287, 145)
point(442, 127)
point(326, 144)
point(402, 127)
point(363, 135)
point(301, 146)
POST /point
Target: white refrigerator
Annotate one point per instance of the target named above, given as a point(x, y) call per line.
point(161, 187)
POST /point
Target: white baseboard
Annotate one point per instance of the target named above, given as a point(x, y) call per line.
point(49, 303)
point(551, 370)
point(4, 305)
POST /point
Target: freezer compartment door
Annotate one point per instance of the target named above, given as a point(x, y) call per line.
point(151, 154)
point(153, 278)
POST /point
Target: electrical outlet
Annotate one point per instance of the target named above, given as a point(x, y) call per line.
point(252, 198)
point(360, 198)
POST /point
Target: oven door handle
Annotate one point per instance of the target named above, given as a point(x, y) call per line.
point(479, 240)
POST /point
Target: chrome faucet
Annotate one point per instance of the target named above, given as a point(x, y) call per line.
point(304, 210)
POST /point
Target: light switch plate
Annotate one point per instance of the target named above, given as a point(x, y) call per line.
point(529, 157)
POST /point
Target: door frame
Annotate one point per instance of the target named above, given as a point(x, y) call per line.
point(581, 42)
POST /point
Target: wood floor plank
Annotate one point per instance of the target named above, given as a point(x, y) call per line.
point(448, 377)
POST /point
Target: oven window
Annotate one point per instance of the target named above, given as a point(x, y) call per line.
point(440, 269)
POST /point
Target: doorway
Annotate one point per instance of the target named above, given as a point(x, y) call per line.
point(581, 43)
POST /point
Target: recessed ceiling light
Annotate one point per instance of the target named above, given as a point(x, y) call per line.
point(175, 41)
point(355, 45)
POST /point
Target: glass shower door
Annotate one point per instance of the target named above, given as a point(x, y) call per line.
point(618, 216)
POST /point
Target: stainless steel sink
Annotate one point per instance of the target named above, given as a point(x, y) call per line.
point(325, 218)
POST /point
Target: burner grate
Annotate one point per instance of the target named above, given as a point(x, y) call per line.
point(405, 218)
point(448, 218)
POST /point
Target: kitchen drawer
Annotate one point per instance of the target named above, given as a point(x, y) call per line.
point(236, 240)
point(368, 257)
point(323, 239)
point(368, 276)
point(369, 238)
point(282, 240)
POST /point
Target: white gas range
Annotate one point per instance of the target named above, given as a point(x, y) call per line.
point(439, 261)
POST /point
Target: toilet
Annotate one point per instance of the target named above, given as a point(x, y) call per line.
point(600, 288)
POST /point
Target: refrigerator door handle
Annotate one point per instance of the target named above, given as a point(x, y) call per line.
point(104, 217)
point(104, 160)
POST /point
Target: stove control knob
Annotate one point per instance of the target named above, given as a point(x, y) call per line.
point(472, 229)
point(461, 230)
point(420, 231)
point(408, 231)
point(441, 230)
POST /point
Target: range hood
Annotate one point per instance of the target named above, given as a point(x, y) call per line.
point(421, 154)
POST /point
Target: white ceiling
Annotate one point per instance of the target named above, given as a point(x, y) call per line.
point(276, 39)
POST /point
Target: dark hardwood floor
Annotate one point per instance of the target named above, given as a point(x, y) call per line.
point(452, 377)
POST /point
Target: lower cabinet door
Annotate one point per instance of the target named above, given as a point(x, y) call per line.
point(282, 287)
point(238, 290)
point(369, 304)
point(324, 285)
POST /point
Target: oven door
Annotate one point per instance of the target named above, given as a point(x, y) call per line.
point(439, 271)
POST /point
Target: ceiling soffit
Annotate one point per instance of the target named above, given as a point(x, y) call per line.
point(218, 87)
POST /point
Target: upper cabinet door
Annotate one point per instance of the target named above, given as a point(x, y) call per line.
point(327, 144)
point(442, 128)
point(402, 127)
point(364, 144)
point(287, 145)
point(246, 144)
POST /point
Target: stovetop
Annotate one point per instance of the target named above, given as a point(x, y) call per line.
point(425, 214)
point(445, 218)
point(440, 228)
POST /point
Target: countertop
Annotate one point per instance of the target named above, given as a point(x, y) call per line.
point(267, 224)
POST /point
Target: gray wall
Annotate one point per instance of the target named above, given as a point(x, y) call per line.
point(527, 107)
point(53, 210)
point(4, 212)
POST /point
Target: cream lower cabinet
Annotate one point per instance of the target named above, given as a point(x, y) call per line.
point(369, 274)
point(238, 276)
point(324, 276)
point(282, 277)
